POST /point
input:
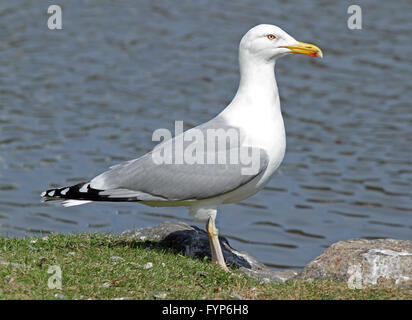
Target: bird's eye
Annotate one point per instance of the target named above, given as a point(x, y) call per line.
point(271, 36)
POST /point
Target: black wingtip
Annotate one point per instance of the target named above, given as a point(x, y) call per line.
point(61, 193)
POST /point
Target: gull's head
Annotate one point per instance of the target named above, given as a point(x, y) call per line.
point(268, 42)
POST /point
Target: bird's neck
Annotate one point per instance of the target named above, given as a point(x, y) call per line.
point(257, 92)
point(258, 78)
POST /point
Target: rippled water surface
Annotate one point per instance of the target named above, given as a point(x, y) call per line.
point(76, 101)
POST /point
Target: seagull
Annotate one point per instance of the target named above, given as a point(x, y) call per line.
point(194, 171)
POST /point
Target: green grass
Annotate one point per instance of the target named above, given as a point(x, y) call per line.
point(90, 270)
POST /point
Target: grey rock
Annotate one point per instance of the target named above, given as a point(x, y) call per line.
point(362, 263)
point(193, 241)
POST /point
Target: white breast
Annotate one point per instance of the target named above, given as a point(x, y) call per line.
point(264, 129)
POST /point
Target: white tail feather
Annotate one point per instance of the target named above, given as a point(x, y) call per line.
point(71, 203)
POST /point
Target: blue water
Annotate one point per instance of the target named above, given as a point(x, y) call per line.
point(75, 101)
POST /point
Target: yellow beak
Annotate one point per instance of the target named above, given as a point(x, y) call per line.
point(305, 48)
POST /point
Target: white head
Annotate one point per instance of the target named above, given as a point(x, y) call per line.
point(267, 42)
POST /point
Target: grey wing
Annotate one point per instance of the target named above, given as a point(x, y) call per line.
point(149, 179)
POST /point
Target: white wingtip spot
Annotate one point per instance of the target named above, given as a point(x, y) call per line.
point(64, 191)
point(71, 203)
point(43, 194)
point(51, 193)
point(84, 188)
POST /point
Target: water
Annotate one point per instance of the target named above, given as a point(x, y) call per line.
point(76, 101)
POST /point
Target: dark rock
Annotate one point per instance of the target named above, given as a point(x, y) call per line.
point(362, 263)
point(193, 241)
